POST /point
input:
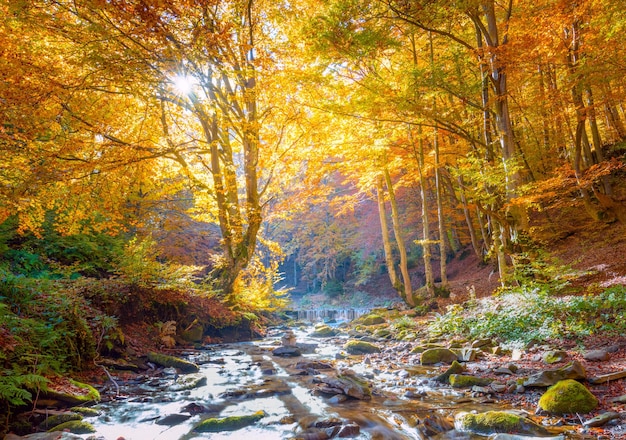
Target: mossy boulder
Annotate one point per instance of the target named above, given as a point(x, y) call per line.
point(189, 382)
point(493, 422)
point(194, 334)
point(438, 355)
point(455, 368)
point(382, 333)
point(372, 319)
point(466, 381)
point(568, 396)
point(323, 331)
point(360, 347)
point(85, 411)
point(232, 423)
point(75, 427)
point(165, 360)
point(79, 393)
point(57, 419)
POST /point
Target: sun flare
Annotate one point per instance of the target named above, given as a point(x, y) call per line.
point(184, 84)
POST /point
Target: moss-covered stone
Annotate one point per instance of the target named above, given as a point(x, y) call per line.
point(57, 419)
point(382, 333)
point(231, 423)
point(466, 381)
point(189, 382)
point(493, 422)
point(193, 334)
point(171, 361)
point(360, 347)
point(81, 394)
point(568, 396)
point(371, 319)
point(85, 411)
point(455, 368)
point(75, 427)
point(437, 355)
point(323, 331)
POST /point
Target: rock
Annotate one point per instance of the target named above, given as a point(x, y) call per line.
point(360, 347)
point(619, 399)
point(602, 419)
point(85, 411)
point(306, 347)
point(466, 381)
point(338, 398)
point(119, 364)
point(313, 365)
point(195, 333)
point(57, 419)
point(466, 354)
point(288, 339)
point(44, 436)
point(517, 354)
point(349, 383)
point(75, 427)
point(503, 370)
point(327, 423)
point(554, 356)
point(437, 355)
point(493, 422)
point(371, 319)
point(173, 419)
point(81, 393)
point(568, 396)
point(482, 343)
point(524, 437)
point(596, 355)
point(231, 423)
point(455, 368)
point(573, 370)
point(189, 382)
point(287, 352)
point(382, 333)
point(349, 430)
point(607, 377)
point(165, 360)
point(323, 331)
point(498, 387)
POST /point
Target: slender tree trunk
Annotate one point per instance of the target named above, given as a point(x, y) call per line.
point(440, 215)
point(468, 219)
point(427, 255)
point(395, 220)
point(391, 267)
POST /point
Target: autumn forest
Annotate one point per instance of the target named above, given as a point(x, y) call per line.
point(205, 160)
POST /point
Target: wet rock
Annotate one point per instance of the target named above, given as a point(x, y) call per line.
point(313, 365)
point(195, 408)
point(360, 347)
point(607, 377)
point(287, 352)
point(619, 399)
point(323, 331)
point(165, 360)
point(173, 419)
point(347, 382)
point(554, 356)
point(371, 319)
point(338, 398)
point(232, 423)
point(437, 355)
point(327, 423)
point(573, 370)
point(602, 419)
point(188, 382)
point(455, 368)
point(435, 424)
point(568, 396)
point(414, 394)
point(597, 355)
point(493, 422)
point(288, 339)
point(81, 393)
point(57, 419)
point(75, 427)
point(305, 347)
point(349, 430)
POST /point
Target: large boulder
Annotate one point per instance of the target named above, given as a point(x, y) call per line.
point(467, 381)
point(323, 331)
point(493, 422)
point(232, 423)
point(568, 397)
point(167, 361)
point(438, 355)
point(573, 370)
point(360, 347)
point(371, 319)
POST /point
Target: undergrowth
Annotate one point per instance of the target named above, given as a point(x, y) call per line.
point(524, 315)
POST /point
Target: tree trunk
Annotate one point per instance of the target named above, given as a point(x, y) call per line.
point(425, 242)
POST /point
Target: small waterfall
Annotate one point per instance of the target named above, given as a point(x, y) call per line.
point(330, 314)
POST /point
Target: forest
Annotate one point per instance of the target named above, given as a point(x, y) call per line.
point(195, 168)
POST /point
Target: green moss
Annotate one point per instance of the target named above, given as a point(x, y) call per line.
point(568, 396)
point(465, 381)
point(492, 422)
point(232, 423)
point(323, 331)
point(436, 355)
point(87, 394)
point(360, 347)
point(371, 319)
point(86, 412)
point(455, 368)
point(172, 361)
point(58, 419)
point(75, 427)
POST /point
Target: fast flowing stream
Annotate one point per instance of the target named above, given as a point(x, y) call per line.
point(244, 378)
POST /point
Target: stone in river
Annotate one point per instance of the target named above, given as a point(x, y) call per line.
point(287, 352)
point(573, 370)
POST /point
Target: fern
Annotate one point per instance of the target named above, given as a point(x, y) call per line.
point(13, 388)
